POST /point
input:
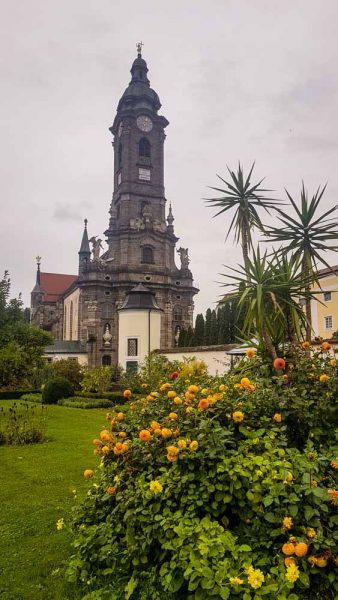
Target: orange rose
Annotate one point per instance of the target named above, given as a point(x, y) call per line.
point(88, 473)
point(144, 435)
point(203, 404)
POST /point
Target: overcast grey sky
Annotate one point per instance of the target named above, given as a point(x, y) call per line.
point(238, 79)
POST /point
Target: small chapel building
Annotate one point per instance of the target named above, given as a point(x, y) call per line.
point(102, 315)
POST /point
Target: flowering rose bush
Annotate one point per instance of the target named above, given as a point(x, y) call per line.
point(210, 496)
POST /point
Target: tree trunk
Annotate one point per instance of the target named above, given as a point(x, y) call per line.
point(269, 345)
point(245, 252)
point(308, 313)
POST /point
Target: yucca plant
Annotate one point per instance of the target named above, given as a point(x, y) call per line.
point(308, 236)
point(246, 200)
point(270, 289)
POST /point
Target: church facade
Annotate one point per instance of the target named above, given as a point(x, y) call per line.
point(82, 311)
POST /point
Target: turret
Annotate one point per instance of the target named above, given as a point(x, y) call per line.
point(84, 252)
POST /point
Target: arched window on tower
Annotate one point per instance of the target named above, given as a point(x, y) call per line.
point(120, 155)
point(71, 321)
point(178, 313)
point(107, 311)
point(147, 255)
point(144, 148)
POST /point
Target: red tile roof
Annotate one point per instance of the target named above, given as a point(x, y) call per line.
point(55, 284)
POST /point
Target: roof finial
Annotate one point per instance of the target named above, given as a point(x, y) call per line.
point(170, 217)
point(139, 49)
point(85, 223)
point(38, 261)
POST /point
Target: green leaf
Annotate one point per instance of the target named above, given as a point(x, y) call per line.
point(130, 587)
point(271, 517)
point(293, 510)
point(224, 593)
point(177, 580)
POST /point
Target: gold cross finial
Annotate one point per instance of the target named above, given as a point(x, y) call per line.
point(139, 48)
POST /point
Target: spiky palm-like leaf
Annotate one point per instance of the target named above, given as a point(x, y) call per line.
point(246, 200)
point(270, 289)
point(308, 236)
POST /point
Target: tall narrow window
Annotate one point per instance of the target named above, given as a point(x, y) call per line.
point(147, 255)
point(144, 148)
point(327, 296)
point(65, 324)
point(107, 311)
point(328, 322)
point(177, 313)
point(71, 321)
point(132, 347)
point(120, 155)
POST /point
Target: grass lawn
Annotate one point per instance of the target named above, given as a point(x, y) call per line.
point(36, 489)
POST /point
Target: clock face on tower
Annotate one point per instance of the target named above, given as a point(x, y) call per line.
point(144, 123)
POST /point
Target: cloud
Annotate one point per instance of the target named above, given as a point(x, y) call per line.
point(66, 212)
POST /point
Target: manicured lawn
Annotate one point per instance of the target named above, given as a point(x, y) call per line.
point(36, 489)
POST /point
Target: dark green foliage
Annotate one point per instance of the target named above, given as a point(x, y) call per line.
point(186, 338)
point(56, 389)
point(199, 331)
point(207, 328)
point(16, 394)
point(213, 328)
point(21, 345)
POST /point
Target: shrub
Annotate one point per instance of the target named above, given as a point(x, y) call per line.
point(98, 379)
point(32, 398)
point(115, 397)
point(85, 403)
point(56, 389)
point(70, 369)
point(22, 424)
point(202, 491)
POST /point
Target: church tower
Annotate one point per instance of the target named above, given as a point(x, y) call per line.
point(140, 237)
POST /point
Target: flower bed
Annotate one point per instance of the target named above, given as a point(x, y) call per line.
point(223, 490)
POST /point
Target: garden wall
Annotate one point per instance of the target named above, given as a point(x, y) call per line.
point(216, 357)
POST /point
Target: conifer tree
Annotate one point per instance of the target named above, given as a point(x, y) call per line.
point(199, 331)
point(213, 328)
point(207, 328)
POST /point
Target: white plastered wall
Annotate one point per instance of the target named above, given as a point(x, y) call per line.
point(138, 324)
point(73, 298)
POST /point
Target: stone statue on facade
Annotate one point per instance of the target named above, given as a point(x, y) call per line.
point(183, 252)
point(96, 247)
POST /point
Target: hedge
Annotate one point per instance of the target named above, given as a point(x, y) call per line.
point(76, 402)
point(115, 397)
point(15, 394)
